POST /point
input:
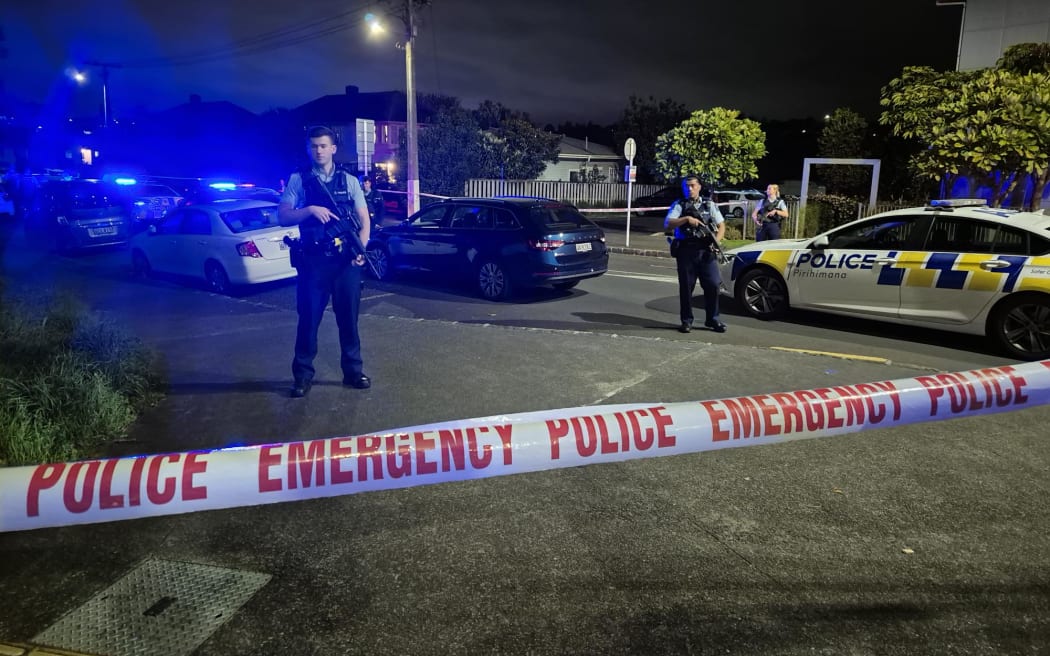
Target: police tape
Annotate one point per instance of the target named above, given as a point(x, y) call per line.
point(153, 485)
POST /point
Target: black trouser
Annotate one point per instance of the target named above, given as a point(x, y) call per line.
point(697, 263)
point(769, 230)
point(320, 278)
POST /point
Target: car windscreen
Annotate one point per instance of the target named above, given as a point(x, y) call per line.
point(253, 218)
point(554, 215)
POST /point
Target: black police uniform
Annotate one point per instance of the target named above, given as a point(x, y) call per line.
point(376, 207)
point(324, 272)
point(770, 228)
point(696, 261)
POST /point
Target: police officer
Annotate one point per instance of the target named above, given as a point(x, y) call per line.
point(768, 214)
point(374, 200)
point(691, 248)
point(312, 199)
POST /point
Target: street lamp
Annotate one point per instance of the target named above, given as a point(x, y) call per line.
point(412, 174)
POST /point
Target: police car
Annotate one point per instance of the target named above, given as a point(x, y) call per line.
point(955, 265)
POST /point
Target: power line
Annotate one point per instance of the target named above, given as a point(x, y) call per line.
point(266, 41)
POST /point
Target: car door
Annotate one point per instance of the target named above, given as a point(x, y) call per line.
point(965, 264)
point(160, 244)
point(193, 242)
point(414, 243)
point(858, 270)
point(470, 234)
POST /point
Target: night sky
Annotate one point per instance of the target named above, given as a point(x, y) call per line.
point(558, 60)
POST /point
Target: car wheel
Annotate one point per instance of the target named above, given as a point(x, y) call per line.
point(383, 262)
point(493, 281)
point(738, 213)
point(1021, 326)
point(140, 265)
point(216, 278)
point(568, 284)
point(762, 293)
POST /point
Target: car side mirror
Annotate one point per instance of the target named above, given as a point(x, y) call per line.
point(819, 243)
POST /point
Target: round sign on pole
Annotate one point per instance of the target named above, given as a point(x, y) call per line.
point(629, 149)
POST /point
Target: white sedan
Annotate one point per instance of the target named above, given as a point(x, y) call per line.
point(955, 265)
point(226, 242)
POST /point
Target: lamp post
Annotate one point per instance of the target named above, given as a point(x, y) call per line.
point(412, 174)
point(410, 92)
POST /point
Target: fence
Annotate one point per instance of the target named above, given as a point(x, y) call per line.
point(580, 194)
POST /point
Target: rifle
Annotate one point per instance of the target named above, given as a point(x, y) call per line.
point(344, 236)
point(701, 231)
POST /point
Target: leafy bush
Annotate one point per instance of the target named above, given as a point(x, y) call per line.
point(826, 211)
point(69, 382)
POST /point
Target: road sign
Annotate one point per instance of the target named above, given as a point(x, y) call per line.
point(630, 173)
point(629, 149)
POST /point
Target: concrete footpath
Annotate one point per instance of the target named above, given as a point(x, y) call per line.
point(926, 539)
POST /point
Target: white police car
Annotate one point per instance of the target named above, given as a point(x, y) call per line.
point(955, 265)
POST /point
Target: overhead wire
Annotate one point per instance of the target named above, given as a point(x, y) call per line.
point(265, 41)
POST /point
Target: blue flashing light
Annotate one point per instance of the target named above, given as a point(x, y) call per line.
point(224, 186)
point(125, 181)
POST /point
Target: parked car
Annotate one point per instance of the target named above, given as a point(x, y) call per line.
point(736, 204)
point(501, 244)
point(955, 265)
point(227, 243)
point(75, 214)
point(151, 202)
point(209, 193)
point(661, 199)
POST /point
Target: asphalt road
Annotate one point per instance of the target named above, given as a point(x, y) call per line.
point(922, 539)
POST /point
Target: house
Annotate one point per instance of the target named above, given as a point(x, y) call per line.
point(580, 160)
point(359, 118)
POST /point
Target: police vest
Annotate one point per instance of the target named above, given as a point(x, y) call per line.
point(768, 207)
point(335, 195)
point(699, 209)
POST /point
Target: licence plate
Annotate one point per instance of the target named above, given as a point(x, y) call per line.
point(583, 247)
point(102, 232)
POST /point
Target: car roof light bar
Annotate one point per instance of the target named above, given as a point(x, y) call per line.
point(959, 202)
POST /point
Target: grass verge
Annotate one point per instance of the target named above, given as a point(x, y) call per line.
point(70, 381)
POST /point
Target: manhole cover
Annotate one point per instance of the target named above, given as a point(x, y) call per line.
point(160, 608)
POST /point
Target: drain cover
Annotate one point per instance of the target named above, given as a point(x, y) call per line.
point(160, 608)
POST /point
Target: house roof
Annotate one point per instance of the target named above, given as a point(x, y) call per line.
point(346, 107)
point(571, 148)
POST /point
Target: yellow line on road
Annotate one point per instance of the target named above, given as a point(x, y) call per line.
point(19, 649)
point(832, 354)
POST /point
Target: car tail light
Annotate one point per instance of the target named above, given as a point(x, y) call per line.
point(248, 249)
point(546, 244)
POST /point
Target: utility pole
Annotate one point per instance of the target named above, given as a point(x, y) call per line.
point(410, 92)
point(105, 66)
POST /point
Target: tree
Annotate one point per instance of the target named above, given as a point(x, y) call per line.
point(991, 124)
point(715, 144)
point(843, 137)
point(517, 150)
point(449, 153)
point(1025, 58)
point(644, 121)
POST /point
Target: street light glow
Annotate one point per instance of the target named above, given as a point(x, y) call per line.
point(374, 26)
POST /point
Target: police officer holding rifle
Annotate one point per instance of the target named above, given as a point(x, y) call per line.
point(698, 228)
point(328, 205)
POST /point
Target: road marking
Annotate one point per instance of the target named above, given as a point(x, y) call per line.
point(832, 354)
point(642, 276)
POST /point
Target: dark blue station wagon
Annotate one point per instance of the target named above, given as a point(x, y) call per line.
point(500, 244)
